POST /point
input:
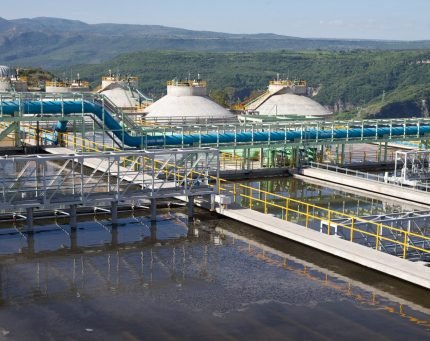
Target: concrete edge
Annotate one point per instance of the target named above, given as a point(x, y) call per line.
point(363, 184)
point(396, 267)
point(359, 191)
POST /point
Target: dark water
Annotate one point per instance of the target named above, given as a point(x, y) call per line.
point(211, 279)
point(324, 196)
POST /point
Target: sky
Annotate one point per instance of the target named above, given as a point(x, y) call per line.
point(356, 19)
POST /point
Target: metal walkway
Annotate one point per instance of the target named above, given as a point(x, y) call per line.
point(411, 243)
point(227, 136)
point(367, 181)
point(58, 181)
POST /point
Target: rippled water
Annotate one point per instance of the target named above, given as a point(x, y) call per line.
point(210, 279)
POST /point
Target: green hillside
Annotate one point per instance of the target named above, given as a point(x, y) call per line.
point(393, 83)
point(55, 42)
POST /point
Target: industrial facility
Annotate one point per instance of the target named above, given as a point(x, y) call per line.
point(67, 86)
point(286, 98)
point(188, 148)
point(123, 92)
point(186, 100)
point(11, 81)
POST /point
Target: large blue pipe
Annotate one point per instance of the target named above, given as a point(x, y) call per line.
point(70, 107)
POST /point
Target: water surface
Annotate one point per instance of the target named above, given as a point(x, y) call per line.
point(212, 278)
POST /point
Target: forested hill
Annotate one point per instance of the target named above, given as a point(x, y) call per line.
point(388, 83)
point(54, 42)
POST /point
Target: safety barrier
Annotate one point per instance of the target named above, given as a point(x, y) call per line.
point(293, 210)
point(323, 219)
point(368, 176)
point(361, 156)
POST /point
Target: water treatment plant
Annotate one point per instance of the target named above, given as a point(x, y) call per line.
point(272, 210)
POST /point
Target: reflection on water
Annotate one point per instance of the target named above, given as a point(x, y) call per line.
point(326, 197)
point(210, 279)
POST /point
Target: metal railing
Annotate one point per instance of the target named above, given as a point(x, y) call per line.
point(351, 157)
point(196, 82)
point(44, 181)
point(310, 215)
point(367, 176)
point(326, 220)
point(292, 134)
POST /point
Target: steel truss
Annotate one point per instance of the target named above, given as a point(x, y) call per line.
point(91, 179)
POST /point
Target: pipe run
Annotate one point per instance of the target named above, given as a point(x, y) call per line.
point(142, 141)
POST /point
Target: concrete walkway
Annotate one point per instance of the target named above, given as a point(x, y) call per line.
point(369, 185)
point(405, 204)
point(415, 273)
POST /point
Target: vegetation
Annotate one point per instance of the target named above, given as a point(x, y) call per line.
point(54, 42)
point(353, 77)
point(36, 77)
point(360, 82)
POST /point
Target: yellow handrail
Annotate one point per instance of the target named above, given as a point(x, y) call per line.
point(326, 216)
point(288, 206)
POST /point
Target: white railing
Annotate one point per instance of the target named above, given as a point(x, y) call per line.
point(368, 176)
point(54, 181)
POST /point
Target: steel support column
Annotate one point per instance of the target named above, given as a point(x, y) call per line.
point(190, 207)
point(30, 218)
point(153, 210)
point(114, 212)
point(73, 221)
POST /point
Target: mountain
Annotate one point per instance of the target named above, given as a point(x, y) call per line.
point(55, 42)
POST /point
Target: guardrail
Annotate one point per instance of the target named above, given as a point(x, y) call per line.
point(306, 214)
point(324, 219)
point(44, 181)
point(84, 145)
point(228, 161)
point(351, 157)
point(367, 176)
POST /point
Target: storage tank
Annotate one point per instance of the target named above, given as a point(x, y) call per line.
point(124, 93)
point(187, 100)
point(119, 79)
point(286, 98)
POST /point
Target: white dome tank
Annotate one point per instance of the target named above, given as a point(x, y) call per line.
point(187, 100)
point(287, 98)
point(288, 104)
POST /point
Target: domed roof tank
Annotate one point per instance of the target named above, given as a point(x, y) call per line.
point(292, 105)
point(187, 100)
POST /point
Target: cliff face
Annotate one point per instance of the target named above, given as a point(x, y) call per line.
point(403, 109)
